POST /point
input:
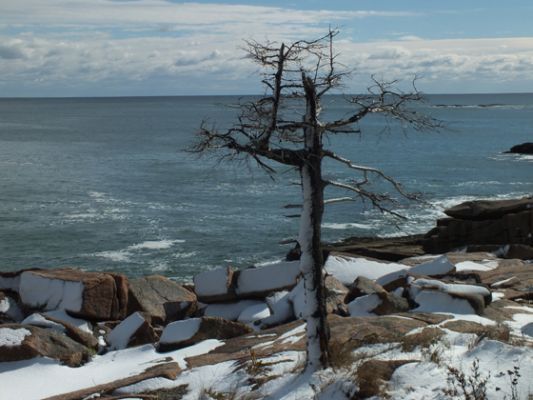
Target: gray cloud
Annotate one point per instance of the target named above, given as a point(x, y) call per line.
point(10, 52)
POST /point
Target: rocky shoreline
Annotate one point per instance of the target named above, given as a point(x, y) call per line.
point(470, 278)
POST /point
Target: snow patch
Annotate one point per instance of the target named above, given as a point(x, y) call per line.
point(230, 311)
point(362, 306)
point(77, 322)
point(10, 337)
point(437, 301)
point(347, 269)
point(180, 331)
point(269, 278)
point(37, 319)
point(50, 294)
point(212, 283)
point(254, 313)
point(487, 265)
point(120, 336)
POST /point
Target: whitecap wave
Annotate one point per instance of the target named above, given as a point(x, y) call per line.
point(114, 255)
point(155, 244)
point(125, 255)
point(348, 225)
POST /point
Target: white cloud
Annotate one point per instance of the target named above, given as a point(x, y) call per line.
point(166, 47)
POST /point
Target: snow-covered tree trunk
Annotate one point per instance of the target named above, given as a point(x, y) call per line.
point(311, 260)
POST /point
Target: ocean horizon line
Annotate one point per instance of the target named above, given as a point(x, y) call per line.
point(239, 95)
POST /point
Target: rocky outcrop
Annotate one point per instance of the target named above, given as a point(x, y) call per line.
point(496, 223)
point(389, 249)
point(22, 342)
point(524, 148)
point(161, 298)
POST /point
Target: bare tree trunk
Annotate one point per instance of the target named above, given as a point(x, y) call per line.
point(311, 261)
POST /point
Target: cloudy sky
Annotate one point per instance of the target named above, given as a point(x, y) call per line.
point(163, 47)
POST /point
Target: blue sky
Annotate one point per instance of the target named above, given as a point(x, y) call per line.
point(160, 47)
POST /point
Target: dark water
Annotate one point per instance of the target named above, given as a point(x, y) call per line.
point(104, 183)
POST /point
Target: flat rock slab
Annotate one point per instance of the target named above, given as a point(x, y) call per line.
point(23, 342)
point(164, 300)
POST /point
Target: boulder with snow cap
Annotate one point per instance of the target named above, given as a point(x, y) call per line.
point(164, 300)
point(133, 331)
point(22, 342)
point(187, 332)
point(258, 282)
point(434, 296)
point(91, 295)
point(215, 285)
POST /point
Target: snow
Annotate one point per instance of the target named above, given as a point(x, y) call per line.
point(9, 307)
point(254, 313)
point(212, 283)
point(420, 380)
point(230, 311)
point(297, 299)
point(497, 296)
point(450, 288)
point(280, 308)
point(10, 337)
point(347, 269)
point(268, 278)
point(120, 336)
point(37, 319)
point(77, 322)
point(522, 324)
point(486, 265)
point(293, 332)
point(436, 301)
point(437, 266)
point(50, 294)
point(220, 376)
point(501, 283)
point(362, 306)
point(50, 378)
point(180, 331)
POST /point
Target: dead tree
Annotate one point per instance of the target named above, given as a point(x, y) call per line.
point(284, 127)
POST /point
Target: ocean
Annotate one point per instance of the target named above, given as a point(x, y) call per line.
point(106, 183)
